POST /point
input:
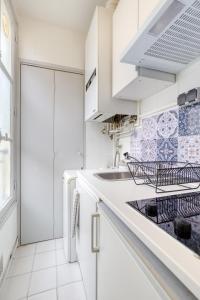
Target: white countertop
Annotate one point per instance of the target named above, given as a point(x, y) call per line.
point(183, 262)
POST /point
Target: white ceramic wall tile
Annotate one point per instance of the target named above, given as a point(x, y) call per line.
point(60, 257)
point(21, 266)
point(42, 281)
point(73, 291)
point(28, 250)
point(15, 288)
point(49, 295)
point(45, 246)
point(59, 244)
point(44, 260)
point(68, 273)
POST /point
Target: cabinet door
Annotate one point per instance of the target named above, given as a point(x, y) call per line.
point(37, 113)
point(145, 9)
point(68, 135)
point(119, 275)
point(125, 26)
point(91, 63)
point(86, 257)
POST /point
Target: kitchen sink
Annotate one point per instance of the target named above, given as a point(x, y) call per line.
point(114, 176)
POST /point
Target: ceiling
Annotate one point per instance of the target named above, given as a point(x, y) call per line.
point(73, 14)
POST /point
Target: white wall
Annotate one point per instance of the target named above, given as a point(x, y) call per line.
point(98, 147)
point(43, 42)
point(186, 80)
point(8, 236)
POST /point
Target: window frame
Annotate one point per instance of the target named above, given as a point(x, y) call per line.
point(7, 203)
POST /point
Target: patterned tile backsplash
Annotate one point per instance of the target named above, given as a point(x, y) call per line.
point(171, 135)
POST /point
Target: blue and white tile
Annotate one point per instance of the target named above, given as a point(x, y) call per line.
point(149, 128)
point(149, 150)
point(167, 124)
point(189, 148)
point(137, 134)
point(189, 120)
point(167, 149)
point(136, 149)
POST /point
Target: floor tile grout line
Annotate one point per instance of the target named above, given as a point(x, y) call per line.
point(34, 271)
point(56, 279)
point(56, 288)
point(31, 274)
point(51, 289)
point(56, 249)
point(41, 292)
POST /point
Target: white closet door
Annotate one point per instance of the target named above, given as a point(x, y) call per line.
point(68, 135)
point(37, 111)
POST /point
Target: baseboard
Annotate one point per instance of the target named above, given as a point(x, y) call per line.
point(6, 270)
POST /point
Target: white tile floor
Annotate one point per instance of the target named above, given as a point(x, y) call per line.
point(40, 272)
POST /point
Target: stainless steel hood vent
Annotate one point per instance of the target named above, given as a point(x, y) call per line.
point(170, 39)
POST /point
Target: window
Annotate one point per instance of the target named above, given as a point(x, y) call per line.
point(6, 92)
point(6, 38)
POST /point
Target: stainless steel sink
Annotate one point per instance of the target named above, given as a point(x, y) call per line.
point(114, 176)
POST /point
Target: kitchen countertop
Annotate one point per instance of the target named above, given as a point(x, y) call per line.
point(183, 262)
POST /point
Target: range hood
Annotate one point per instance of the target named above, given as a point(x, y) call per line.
point(169, 40)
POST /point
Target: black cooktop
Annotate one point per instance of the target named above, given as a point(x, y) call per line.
point(178, 215)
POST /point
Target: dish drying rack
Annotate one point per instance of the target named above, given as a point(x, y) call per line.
point(162, 175)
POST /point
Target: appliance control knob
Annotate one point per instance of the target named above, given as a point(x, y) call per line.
point(182, 228)
point(151, 210)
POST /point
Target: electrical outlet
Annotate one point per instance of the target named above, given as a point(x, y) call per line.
point(1, 266)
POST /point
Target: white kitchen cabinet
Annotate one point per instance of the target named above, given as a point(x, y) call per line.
point(119, 274)
point(125, 26)
point(51, 109)
point(115, 263)
point(145, 9)
point(127, 269)
point(87, 258)
point(128, 81)
point(99, 104)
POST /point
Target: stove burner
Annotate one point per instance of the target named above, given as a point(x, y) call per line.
point(182, 228)
point(151, 210)
point(178, 215)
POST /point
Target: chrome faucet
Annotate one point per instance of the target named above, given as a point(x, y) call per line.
point(117, 158)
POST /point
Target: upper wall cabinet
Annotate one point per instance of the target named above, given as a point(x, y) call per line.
point(99, 103)
point(131, 82)
point(125, 25)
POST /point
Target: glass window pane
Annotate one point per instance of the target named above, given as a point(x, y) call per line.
point(4, 104)
point(5, 171)
point(6, 37)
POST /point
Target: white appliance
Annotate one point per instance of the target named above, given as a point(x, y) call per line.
point(99, 104)
point(169, 40)
point(69, 185)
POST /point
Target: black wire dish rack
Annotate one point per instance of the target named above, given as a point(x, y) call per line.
point(165, 176)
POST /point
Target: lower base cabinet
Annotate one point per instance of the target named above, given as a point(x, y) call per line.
point(119, 276)
point(115, 264)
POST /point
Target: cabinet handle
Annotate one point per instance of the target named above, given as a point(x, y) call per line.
point(95, 233)
point(90, 80)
